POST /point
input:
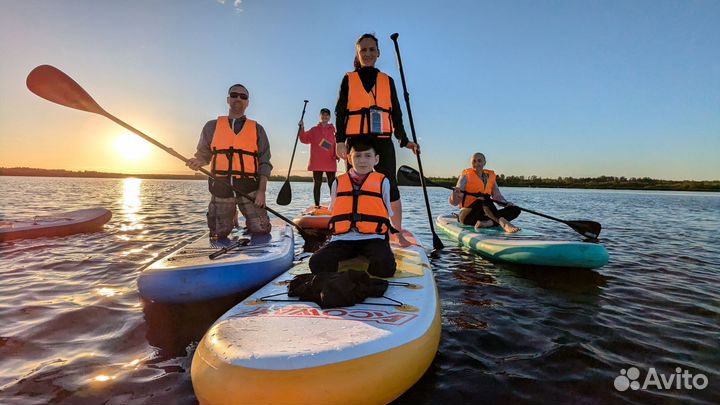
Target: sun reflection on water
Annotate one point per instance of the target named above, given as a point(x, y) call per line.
point(131, 204)
point(133, 363)
point(106, 292)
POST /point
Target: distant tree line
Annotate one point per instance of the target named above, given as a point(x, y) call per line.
point(601, 182)
point(32, 172)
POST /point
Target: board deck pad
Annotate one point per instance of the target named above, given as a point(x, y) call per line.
point(370, 352)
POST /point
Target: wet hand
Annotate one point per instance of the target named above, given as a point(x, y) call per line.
point(194, 163)
point(260, 199)
point(403, 241)
point(341, 151)
point(414, 147)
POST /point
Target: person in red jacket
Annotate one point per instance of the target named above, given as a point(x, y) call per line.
point(323, 159)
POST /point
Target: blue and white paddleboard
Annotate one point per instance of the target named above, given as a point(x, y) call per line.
point(189, 275)
point(525, 246)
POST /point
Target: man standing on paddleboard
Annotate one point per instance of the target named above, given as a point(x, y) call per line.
point(239, 152)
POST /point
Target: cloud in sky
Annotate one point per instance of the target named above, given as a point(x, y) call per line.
point(236, 5)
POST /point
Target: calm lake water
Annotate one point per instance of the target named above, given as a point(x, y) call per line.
point(74, 329)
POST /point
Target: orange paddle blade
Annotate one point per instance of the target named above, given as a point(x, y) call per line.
point(52, 84)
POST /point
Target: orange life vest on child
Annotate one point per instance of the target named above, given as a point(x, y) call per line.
point(235, 155)
point(360, 102)
point(475, 185)
point(360, 207)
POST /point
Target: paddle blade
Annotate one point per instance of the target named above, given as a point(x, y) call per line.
point(589, 229)
point(52, 84)
point(437, 243)
point(285, 195)
point(408, 176)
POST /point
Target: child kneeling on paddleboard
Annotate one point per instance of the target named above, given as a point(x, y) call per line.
point(360, 219)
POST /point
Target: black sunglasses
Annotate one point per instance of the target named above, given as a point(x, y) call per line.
point(241, 96)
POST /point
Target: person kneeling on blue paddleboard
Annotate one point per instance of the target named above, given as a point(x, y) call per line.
point(239, 151)
point(360, 216)
point(480, 211)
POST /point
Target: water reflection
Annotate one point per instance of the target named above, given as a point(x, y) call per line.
point(560, 279)
point(131, 204)
point(133, 363)
point(106, 292)
point(131, 195)
point(510, 334)
point(173, 328)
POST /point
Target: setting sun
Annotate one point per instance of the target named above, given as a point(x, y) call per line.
point(131, 147)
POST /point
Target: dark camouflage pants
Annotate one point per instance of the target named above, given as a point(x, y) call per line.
point(222, 216)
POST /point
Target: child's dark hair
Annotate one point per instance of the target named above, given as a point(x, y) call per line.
point(356, 63)
point(361, 145)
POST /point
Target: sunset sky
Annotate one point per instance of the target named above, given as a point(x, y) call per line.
point(546, 88)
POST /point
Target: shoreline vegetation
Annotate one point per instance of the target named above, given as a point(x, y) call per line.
point(601, 182)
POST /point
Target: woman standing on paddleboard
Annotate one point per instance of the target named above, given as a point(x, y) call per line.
point(368, 106)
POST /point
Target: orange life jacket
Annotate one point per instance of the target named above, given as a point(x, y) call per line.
point(235, 155)
point(475, 185)
point(360, 102)
point(360, 207)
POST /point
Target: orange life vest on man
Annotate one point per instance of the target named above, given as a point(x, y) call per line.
point(475, 185)
point(360, 103)
point(360, 207)
point(235, 155)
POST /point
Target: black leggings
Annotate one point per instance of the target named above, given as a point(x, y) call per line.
point(317, 183)
point(482, 210)
point(381, 261)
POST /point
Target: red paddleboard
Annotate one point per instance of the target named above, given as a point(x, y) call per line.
point(61, 224)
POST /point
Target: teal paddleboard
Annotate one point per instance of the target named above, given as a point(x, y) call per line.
point(524, 247)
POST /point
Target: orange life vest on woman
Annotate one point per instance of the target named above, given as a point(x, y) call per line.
point(475, 185)
point(235, 155)
point(360, 102)
point(360, 207)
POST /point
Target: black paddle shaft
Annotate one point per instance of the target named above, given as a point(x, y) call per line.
point(437, 244)
point(302, 116)
point(284, 196)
